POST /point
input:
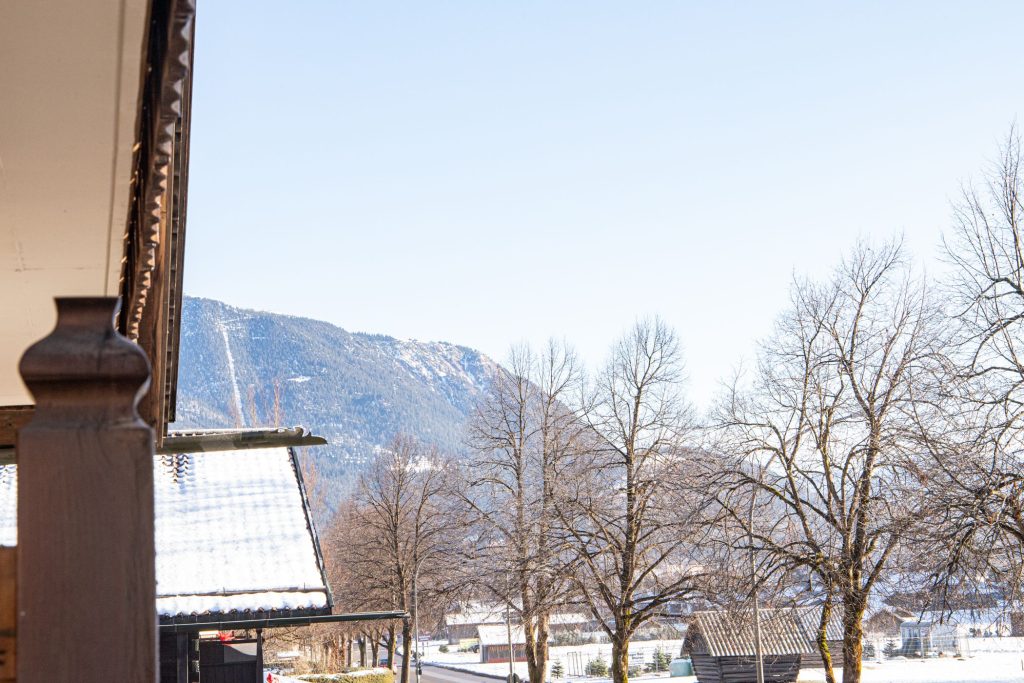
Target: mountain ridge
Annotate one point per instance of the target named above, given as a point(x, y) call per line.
point(247, 368)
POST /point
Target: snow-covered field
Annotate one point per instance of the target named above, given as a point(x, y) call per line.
point(982, 667)
point(572, 657)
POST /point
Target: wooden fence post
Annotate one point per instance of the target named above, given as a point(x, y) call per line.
point(86, 576)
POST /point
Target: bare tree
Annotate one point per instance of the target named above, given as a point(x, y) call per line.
point(522, 438)
point(623, 510)
point(825, 432)
point(979, 463)
point(398, 534)
point(987, 250)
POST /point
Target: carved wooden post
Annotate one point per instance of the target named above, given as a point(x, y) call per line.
point(86, 578)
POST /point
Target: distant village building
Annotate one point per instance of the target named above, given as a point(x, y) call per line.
point(886, 622)
point(924, 638)
point(562, 623)
point(494, 640)
point(938, 632)
point(461, 626)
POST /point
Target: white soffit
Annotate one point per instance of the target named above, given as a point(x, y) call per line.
point(69, 91)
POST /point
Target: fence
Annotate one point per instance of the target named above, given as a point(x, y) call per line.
point(596, 661)
point(881, 648)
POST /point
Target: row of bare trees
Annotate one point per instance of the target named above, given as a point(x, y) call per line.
point(576, 489)
point(875, 445)
point(878, 435)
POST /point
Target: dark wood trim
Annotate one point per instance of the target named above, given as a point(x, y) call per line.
point(86, 554)
point(155, 244)
point(252, 621)
point(189, 620)
point(13, 418)
point(8, 615)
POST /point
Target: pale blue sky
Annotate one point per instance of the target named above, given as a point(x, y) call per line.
point(488, 172)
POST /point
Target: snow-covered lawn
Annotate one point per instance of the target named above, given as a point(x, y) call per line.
point(985, 667)
point(278, 678)
point(573, 658)
point(982, 668)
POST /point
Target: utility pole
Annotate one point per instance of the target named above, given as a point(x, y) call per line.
point(416, 619)
point(508, 626)
point(759, 664)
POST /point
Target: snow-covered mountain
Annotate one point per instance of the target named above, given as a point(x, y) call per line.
point(242, 368)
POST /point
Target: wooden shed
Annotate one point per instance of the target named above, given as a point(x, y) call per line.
point(721, 645)
point(810, 620)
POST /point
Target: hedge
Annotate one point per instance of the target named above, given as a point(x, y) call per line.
point(377, 676)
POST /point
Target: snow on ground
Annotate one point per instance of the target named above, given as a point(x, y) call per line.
point(983, 667)
point(278, 678)
point(574, 658)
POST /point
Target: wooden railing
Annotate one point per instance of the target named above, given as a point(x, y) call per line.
point(86, 590)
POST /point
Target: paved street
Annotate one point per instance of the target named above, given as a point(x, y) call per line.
point(434, 674)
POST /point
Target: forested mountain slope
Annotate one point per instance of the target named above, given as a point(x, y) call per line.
point(244, 368)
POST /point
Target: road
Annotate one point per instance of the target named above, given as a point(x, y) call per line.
point(435, 674)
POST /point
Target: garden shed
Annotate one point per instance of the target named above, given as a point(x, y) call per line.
point(721, 645)
point(810, 620)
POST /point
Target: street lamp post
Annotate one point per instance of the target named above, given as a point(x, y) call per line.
point(416, 619)
point(759, 657)
point(508, 626)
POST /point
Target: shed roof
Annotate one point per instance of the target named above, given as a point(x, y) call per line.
point(730, 633)
point(476, 613)
point(810, 618)
point(233, 535)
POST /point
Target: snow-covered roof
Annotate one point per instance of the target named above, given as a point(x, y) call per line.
point(233, 534)
point(476, 613)
point(497, 634)
point(567, 618)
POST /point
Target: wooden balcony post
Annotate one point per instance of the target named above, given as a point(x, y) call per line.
point(86, 577)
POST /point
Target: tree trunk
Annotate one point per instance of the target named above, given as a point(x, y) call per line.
point(826, 656)
point(853, 639)
point(620, 660)
point(362, 651)
point(542, 647)
point(348, 651)
point(406, 650)
point(375, 649)
point(535, 650)
point(391, 647)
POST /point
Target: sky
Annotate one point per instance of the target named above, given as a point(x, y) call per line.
point(495, 172)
